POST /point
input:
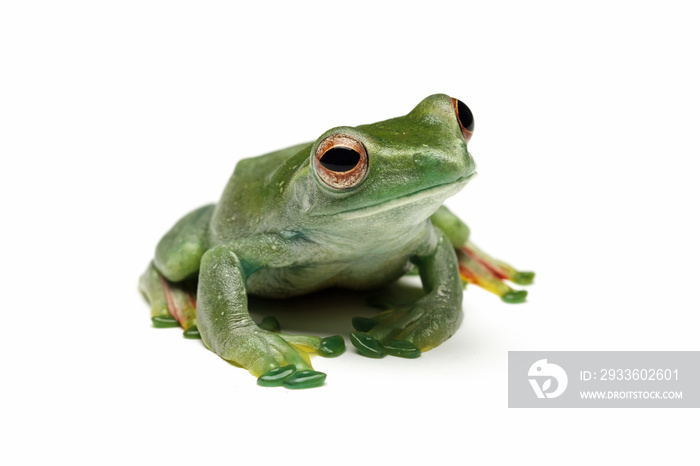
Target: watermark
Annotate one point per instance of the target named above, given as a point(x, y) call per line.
point(548, 373)
point(604, 379)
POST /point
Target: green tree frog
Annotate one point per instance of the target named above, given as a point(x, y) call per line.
point(357, 208)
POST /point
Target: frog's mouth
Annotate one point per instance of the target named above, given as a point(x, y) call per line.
point(428, 197)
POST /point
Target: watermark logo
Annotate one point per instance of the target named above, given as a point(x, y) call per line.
point(603, 379)
point(544, 372)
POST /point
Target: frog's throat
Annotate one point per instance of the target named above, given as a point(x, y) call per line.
point(439, 192)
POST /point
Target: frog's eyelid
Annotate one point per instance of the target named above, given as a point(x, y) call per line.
point(465, 118)
point(346, 161)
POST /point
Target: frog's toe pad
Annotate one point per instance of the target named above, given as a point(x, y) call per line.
point(289, 377)
point(524, 278)
point(514, 297)
point(402, 349)
point(192, 333)
point(164, 322)
point(276, 377)
point(305, 379)
point(332, 347)
point(371, 347)
point(367, 345)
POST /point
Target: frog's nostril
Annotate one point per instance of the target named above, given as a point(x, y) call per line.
point(465, 118)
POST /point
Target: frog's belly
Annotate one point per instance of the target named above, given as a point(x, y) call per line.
point(298, 280)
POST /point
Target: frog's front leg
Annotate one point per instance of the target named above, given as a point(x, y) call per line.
point(227, 329)
point(477, 267)
point(428, 322)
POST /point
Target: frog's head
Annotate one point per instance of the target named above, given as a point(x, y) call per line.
point(397, 171)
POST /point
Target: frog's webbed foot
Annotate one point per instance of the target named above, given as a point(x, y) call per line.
point(477, 267)
point(279, 359)
point(408, 330)
point(295, 375)
point(405, 331)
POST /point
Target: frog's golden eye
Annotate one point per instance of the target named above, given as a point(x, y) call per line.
point(465, 118)
point(341, 161)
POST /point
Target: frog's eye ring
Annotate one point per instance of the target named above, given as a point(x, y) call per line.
point(341, 161)
point(465, 119)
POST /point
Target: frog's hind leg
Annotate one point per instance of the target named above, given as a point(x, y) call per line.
point(170, 282)
point(477, 267)
point(172, 304)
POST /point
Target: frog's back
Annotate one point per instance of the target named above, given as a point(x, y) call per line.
point(245, 207)
point(260, 167)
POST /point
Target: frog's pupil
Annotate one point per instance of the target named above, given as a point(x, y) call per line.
point(340, 159)
point(465, 116)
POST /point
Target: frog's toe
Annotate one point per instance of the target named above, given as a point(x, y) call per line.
point(328, 347)
point(192, 333)
point(514, 296)
point(290, 377)
point(367, 345)
point(331, 347)
point(276, 377)
point(401, 349)
point(523, 278)
point(371, 347)
point(305, 379)
point(164, 321)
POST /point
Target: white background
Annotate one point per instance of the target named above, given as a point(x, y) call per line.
point(116, 118)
